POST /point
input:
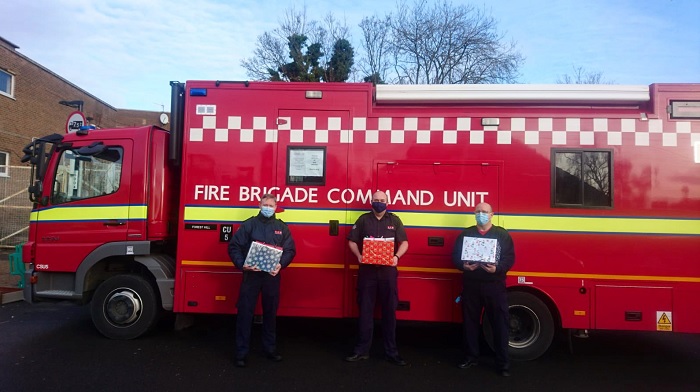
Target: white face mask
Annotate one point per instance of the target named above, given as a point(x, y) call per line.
point(267, 211)
point(482, 218)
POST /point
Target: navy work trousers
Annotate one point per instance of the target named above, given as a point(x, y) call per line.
point(377, 282)
point(493, 299)
point(253, 284)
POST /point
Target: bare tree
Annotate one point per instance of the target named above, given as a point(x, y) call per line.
point(581, 76)
point(376, 44)
point(448, 44)
point(269, 54)
point(297, 33)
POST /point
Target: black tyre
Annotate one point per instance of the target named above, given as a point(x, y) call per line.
point(531, 327)
point(125, 307)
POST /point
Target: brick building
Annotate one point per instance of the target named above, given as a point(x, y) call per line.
point(34, 101)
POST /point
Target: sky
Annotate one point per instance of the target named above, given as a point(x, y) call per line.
point(125, 52)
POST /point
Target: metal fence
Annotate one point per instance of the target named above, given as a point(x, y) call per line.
point(14, 206)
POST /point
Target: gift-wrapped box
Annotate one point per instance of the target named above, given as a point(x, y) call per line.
point(481, 250)
point(379, 251)
point(265, 257)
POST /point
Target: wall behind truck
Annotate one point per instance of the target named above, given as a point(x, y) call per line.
point(33, 110)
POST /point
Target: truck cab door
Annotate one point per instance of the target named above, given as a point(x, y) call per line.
point(88, 204)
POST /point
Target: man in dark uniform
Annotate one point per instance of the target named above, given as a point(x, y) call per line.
point(266, 228)
point(377, 280)
point(484, 287)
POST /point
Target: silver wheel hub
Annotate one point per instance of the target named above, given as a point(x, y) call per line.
point(122, 307)
point(524, 325)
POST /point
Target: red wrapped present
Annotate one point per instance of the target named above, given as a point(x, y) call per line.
point(378, 251)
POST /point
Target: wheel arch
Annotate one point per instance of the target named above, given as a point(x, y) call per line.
point(543, 331)
point(127, 257)
point(542, 296)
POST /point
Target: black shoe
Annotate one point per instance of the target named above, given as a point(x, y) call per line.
point(396, 360)
point(467, 364)
point(356, 357)
point(274, 356)
point(241, 362)
point(504, 373)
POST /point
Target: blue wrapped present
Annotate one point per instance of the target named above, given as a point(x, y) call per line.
point(263, 256)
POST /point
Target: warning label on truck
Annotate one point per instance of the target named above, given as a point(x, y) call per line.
point(664, 321)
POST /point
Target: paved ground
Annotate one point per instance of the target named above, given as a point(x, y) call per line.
point(54, 347)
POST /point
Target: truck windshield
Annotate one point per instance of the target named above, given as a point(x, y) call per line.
point(81, 176)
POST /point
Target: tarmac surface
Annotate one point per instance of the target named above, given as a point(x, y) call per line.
point(54, 347)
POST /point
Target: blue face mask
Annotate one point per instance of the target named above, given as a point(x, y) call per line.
point(267, 211)
point(378, 206)
point(482, 218)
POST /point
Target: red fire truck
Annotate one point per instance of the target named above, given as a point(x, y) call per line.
point(599, 186)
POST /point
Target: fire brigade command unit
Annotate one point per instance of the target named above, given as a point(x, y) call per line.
point(599, 186)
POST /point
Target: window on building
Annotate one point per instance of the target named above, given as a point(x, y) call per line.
point(582, 178)
point(4, 164)
point(6, 83)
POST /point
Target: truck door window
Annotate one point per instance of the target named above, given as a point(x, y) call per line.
point(582, 178)
point(85, 176)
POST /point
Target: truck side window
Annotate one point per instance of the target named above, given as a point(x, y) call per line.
point(306, 165)
point(86, 176)
point(582, 178)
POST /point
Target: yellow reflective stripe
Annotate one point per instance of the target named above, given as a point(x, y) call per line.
point(550, 223)
point(138, 212)
point(436, 219)
point(89, 213)
point(317, 265)
point(606, 277)
point(600, 224)
point(218, 214)
point(209, 263)
point(312, 216)
point(455, 271)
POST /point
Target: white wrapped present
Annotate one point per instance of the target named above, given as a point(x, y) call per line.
point(482, 250)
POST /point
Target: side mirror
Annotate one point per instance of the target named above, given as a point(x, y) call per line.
point(35, 191)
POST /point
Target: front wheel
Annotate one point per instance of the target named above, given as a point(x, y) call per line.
point(124, 307)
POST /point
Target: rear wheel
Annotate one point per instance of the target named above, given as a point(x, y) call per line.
point(124, 307)
point(531, 326)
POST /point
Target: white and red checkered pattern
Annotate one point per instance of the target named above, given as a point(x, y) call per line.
point(452, 130)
